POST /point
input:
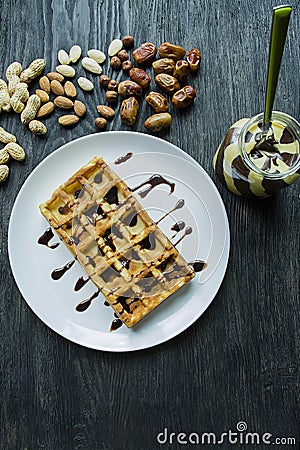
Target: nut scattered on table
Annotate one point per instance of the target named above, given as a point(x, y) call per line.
point(91, 65)
point(55, 76)
point(127, 65)
point(32, 106)
point(4, 172)
point(70, 89)
point(6, 137)
point(123, 55)
point(79, 108)
point(4, 156)
point(111, 97)
point(4, 97)
point(114, 47)
point(15, 151)
point(85, 84)
point(96, 55)
point(34, 69)
point(100, 123)
point(45, 110)
point(66, 71)
point(63, 102)
point(44, 84)
point(112, 85)
point(19, 98)
point(75, 53)
point(63, 57)
point(43, 95)
point(57, 88)
point(128, 41)
point(115, 63)
point(37, 127)
point(68, 120)
point(105, 111)
point(104, 80)
point(182, 69)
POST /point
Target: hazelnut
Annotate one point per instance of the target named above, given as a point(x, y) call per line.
point(104, 80)
point(128, 41)
point(115, 63)
point(100, 123)
point(123, 55)
point(111, 96)
point(127, 65)
point(112, 85)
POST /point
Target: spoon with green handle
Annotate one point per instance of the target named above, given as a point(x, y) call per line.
point(280, 22)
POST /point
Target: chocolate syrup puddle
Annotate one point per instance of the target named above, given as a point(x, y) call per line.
point(198, 265)
point(46, 237)
point(123, 158)
point(178, 226)
point(112, 196)
point(64, 210)
point(116, 323)
point(187, 231)
point(154, 181)
point(83, 306)
point(179, 205)
point(98, 178)
point(59, 272)
point(80, 283)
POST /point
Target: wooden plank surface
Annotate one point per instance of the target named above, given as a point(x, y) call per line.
point(240, 360)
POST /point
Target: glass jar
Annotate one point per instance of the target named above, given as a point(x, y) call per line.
point(254, 167)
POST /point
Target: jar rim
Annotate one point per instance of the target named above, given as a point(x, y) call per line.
point(283, 117)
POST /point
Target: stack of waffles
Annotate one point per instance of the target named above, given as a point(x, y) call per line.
point(121, 249)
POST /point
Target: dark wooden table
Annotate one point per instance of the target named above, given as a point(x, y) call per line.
point(240, 360)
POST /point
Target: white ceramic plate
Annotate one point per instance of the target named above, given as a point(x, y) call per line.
point(54, 302)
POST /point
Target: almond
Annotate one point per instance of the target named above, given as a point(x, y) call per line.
point(45, 110)
point(66, 71)
point(105, 111)
point(55, 76)
point(43, 95)
point(15, 151)
point(57, 87)
point(114, 47)
point(97, 55)
point(4, 171)
point(70, 89)
point(79, 108)
point(45, 84)
point(68, 120)
point(63, 102)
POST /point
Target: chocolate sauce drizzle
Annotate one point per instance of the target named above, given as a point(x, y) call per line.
point(179, 205)
point(187, 231)
point(198, 265)
point(60, 271)
point(123, 158)
point(82, 306)
point(178, 226)
point(154, 181)
point(116, 323)
point(80, 283)
point(46, 237)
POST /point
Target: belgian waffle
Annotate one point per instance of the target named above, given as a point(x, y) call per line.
point(124, 253)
